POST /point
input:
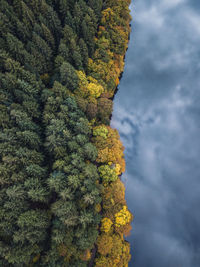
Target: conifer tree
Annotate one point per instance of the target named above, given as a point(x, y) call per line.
point(60, 62)
point(23, 191)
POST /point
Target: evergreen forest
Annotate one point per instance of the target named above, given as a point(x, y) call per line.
point(62, 202)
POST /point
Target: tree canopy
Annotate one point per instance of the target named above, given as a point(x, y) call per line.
point(61, 199)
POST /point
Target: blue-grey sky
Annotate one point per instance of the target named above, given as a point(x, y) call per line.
point(157, 112)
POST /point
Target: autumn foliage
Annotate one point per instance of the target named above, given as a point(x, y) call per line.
point(110, 148)
point(111, 42)
point(62, 202)
point(106, 65)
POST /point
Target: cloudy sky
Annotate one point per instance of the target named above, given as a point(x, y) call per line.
point(157, 112)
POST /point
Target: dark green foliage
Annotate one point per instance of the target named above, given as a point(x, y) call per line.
point(84, 52)
point(96, 6)
point(90, 151)
point(105, 107)
point(23, 229)
point(67, 141)
point(68, 76)
point(48, 176)
point(88, 29)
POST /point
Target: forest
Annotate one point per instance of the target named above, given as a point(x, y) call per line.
point(62, 202)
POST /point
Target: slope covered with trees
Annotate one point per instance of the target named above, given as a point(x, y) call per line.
point(61, 199)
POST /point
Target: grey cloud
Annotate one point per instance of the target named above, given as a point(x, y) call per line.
point(157, 112)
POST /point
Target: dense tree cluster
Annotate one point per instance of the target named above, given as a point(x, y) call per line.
point(116, 217)
point(23, 193)
point(73, 179)
point(111, 43)
point(60, 161)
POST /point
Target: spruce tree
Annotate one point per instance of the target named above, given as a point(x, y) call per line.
point(51, 186)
